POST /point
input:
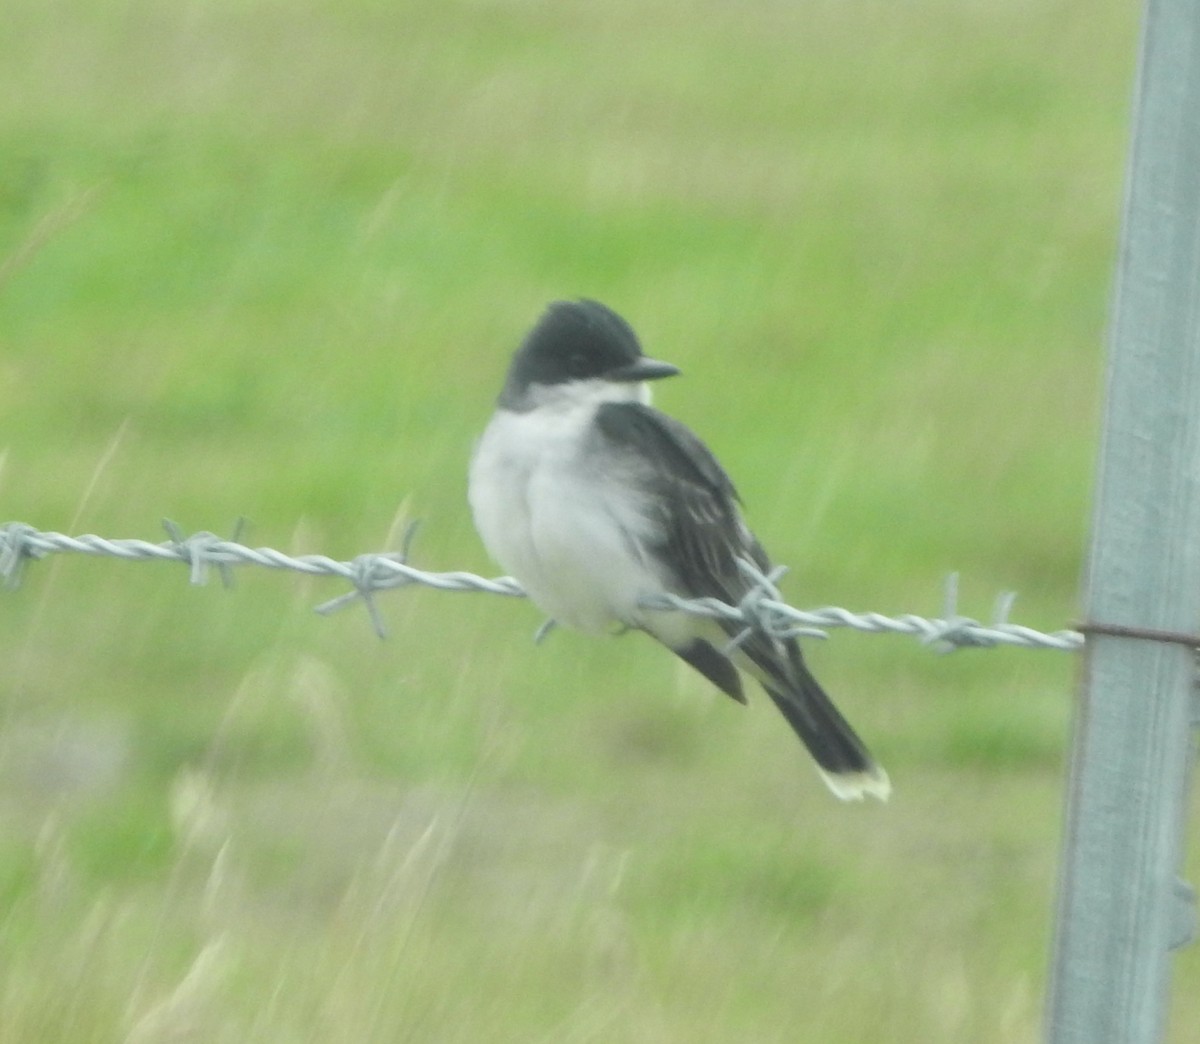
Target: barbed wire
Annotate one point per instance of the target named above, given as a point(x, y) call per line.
point(762, 609)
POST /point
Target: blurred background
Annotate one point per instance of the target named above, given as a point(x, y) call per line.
point(269, 260)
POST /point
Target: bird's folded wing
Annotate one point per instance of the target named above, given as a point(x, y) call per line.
point(705, 533)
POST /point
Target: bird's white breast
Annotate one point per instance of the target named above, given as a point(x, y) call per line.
point(570, 526)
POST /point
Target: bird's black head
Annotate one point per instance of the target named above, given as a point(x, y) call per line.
point(578, 341)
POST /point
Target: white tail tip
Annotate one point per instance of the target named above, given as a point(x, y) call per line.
point(854, 786)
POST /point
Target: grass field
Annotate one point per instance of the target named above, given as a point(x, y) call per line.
point(268, 260)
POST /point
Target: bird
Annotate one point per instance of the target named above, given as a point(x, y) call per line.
point(597, 503)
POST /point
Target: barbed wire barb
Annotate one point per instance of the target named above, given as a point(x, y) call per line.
point(15, 552)
point(762, 610)
point(958, 631)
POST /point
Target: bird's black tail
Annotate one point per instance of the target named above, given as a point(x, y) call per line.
point(843, 759)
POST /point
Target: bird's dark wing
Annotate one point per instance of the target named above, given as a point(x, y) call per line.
point(704, 536)
point(697, 502)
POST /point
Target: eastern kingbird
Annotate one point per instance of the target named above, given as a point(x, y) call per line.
point(597, 502)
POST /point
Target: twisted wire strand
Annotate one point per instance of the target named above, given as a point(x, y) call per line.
point(762, 609)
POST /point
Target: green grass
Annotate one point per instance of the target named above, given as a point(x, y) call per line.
point(269, 260)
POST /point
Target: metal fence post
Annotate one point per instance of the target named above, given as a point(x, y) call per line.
point(1120, 904)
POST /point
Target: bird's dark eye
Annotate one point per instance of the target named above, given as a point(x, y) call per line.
point(577, 362)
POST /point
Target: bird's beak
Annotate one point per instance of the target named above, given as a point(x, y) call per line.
point(643, 369)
